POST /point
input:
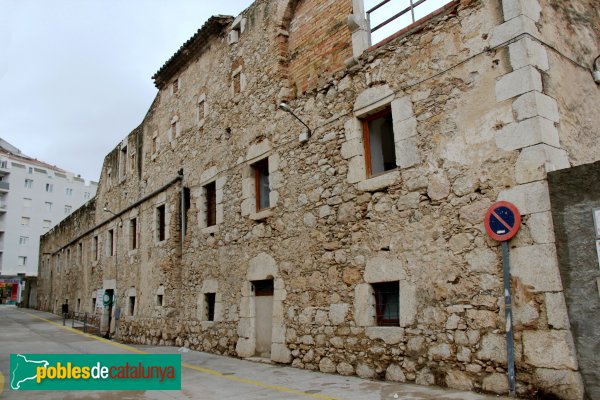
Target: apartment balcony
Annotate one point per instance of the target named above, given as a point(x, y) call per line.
point(4, 187)
point(4, 168)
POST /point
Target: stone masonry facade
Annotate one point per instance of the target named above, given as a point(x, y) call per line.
point(484, 98)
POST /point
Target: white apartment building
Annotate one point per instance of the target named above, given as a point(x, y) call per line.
point(34, 196)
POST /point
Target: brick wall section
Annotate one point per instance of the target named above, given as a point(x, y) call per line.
point(317, 48)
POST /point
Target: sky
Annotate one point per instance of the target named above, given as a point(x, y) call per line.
point(75, 75)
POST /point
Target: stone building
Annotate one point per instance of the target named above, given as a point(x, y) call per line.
point(357, 247)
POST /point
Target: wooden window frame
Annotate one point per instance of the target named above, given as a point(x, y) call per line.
point(367, 139)
point(257, 168)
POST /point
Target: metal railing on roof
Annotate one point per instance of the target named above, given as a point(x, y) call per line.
point(400, 8)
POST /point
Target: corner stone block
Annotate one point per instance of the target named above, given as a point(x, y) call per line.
point(363, 305)
point(561, 383)
point(529, 198)
point(535, 104)
point(556, 310)
point(528, 52)
point(536, 161)
point(245, 347)
point(408, 303)
point(537, 266)
point(402, 109)
point(280, 353)
point(513, 28)
point(515, 8)
point(541, 227)
point(351, 148)
point(405, 129)
point(356, 169)
point(407, 152)
point(550, 349)
point(518, 82)
point(353, 129)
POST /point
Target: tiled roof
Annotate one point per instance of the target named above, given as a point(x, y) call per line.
point(195, 44)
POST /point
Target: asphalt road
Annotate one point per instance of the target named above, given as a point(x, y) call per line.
point(204, 376)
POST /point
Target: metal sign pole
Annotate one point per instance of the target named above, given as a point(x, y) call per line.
point(508, 312)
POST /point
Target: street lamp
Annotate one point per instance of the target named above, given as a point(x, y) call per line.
point(304, 136)
point(116, 246)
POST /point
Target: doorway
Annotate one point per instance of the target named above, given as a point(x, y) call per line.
point(263, 292)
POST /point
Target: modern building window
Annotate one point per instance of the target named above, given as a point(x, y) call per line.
point(110, 243)
point(28, 183)
point(95, 247)
point(387, 303)
point(87, 195)
point(22, 261)
point(68, 210)
point(30, 170)
point(48, 206)
point(160, 223)
point(27, 203)
point(209, 304)
point(261, 174)
point(133, 234)
point(25, 221)
point(49, 187)
point(378, 139)
point(46, 224)
point(131, 305)
point(23, 240)
point(69, 192)
point(210, 191)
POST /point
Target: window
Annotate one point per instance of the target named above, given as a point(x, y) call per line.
point(80, 253)
point(159, 300)
point(87, 195)
point(210, 191)
point(110, 244)
point(237, 28)
point(201, 111)
point(133, 234)
point(68, 210)
point(160, 223)
point(23, 240)
point(25, 221)
point(27, 203)
point(69, 192)
point(22, 261)
point(48, 206)
point(387, 303)
point(93, 304)
point(132, 160)
point(261, 174)
point(123, 163)
point(46, 224)
point(30, 170)
point(380, 147)
point(49, 187)
point(95, 248)
point(237, 83)
point(28, 183)
point(175, 86)
point(154, 144)
point(209, 304)
point(68, 257)
point(131, 305)
point(58, 263)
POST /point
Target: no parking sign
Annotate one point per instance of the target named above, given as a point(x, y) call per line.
point(502, 221)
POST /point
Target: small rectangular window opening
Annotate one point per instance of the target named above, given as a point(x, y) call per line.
point(380, 147)
point(210, 306)
point(160, 222)
point(211, 204)
point(131, 305)
point(133, 234)
point(261, 173)
point(387, 303)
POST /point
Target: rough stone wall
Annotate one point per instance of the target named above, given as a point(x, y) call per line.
point(571, 31)
point(468, 130)
point(573, 201)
